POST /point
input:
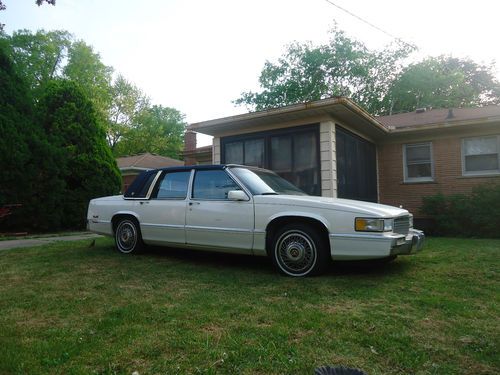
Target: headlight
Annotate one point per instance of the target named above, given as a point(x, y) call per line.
point(363, 224)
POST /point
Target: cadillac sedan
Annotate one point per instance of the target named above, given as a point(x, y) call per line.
point(239, 209)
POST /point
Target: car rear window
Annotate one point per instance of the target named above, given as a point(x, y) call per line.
point(139, 188)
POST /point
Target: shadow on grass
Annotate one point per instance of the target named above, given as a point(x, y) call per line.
point(263, 265)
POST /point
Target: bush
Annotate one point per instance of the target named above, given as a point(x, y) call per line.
point(466, 215)
point(53, 155)
point(86, 164)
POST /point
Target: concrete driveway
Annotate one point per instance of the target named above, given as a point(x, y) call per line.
point(12, 244)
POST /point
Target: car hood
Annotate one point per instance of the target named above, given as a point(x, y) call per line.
point(347, 205)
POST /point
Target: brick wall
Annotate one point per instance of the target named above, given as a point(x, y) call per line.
point(448, 177)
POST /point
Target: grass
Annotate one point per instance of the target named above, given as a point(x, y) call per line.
point(9, 236)
point(67, 308)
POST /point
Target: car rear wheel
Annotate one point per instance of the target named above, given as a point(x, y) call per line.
point(299, 250)
point(128, 236)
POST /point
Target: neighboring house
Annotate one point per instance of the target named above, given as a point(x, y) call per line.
point(195, 155)
point(334, 148)
point(131, 166)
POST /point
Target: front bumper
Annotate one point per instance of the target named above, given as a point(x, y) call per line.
point(354, 246)
point(411, 244)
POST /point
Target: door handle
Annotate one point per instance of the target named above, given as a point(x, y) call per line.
point(144, 202)
point(196, 203)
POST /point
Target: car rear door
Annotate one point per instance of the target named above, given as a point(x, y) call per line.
point(163, 216)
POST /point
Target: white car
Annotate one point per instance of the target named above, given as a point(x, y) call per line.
point(247, 210)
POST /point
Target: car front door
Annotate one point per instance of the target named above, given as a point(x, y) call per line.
point(163, 216)
point(214, 221)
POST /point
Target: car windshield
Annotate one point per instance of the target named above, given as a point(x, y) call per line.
point(263, 182)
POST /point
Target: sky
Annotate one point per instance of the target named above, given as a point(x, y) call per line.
point(198, 56)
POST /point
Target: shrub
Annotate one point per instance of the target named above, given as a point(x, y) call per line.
point(466, 215)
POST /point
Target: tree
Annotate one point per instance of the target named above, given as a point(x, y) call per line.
point(444, 81)
point(86, 164)
point(127, 101)
point(343, 67)
point(84, 66)
point(15, 120)
point(39, 57)
point(29, 173)
point(158, 130)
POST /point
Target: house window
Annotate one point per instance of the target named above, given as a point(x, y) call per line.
point(418, 164)
point(480, 155)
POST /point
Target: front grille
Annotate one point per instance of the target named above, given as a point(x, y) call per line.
point(402, 225)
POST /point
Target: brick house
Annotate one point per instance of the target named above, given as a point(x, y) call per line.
point(434, 151)
point(131, 166)
point(333, 148)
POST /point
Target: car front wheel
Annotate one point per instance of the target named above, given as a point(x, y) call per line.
point(299, 250)
point(128, 236)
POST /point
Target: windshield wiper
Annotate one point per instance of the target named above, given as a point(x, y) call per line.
point(270, 193)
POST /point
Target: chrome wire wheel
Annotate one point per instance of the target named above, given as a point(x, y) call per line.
point(126, 236)
point(295, 253)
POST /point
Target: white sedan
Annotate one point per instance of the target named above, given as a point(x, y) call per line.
point(239, 209)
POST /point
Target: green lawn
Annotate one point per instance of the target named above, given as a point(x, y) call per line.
point(68, 308)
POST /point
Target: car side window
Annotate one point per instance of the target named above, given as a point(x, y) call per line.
point(214, 184)
point(174, 185)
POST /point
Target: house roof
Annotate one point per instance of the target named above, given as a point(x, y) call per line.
point(342, 108)
point(199, 150)
point(440, 116)
point(146, 161)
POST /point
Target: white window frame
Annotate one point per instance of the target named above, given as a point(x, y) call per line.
point(405, 163)
point(483, 172)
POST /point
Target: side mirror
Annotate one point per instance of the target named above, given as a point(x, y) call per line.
point(237, 195)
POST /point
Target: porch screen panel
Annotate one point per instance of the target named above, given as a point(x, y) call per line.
point(292, 153)
point(234, 153)
point(305, 169)
point(281, 156)
point(254, 153)
point(356, 167)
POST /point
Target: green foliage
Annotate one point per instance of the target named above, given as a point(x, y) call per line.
point(44, 56)
point(29, 172)
point(54, 157)
point(158, 130)
point(444, 82)
point(87, 166)
point(343, 67)
point(375, 79)
point(39, 57)
point(84, 66)
point(15, 120)
point(473, 215)
point(126, 104)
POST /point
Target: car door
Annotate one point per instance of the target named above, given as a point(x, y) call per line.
point(163, 216)
point(214, 221)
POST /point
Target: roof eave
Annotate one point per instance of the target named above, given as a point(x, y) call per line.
point(213, 127)
point(445, 125)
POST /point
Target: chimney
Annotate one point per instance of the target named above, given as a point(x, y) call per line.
point(450, 114)
point(189, 140)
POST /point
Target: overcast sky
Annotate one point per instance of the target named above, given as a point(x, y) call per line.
point(197, 56)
